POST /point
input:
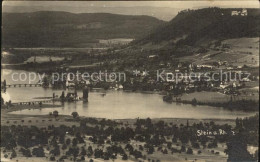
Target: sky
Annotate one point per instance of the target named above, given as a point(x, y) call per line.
point(171, 4)
point(164, 10)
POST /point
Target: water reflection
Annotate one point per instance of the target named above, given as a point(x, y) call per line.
point(121, 105)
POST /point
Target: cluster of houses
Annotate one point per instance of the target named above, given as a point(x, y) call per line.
point(242, 12)
point(79, 82)
point(184, 66)
point(194, 76)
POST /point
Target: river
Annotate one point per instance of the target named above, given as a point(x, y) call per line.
point(114, 104)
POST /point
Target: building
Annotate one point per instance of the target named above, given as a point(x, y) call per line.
point(243, 12)
point(152, 56)
point(205, 66)
point(235, 13)
point(223, 85)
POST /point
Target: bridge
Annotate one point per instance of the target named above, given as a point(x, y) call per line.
point(32, 102)
point(22, 85)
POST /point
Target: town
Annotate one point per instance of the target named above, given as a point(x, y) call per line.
point(130, 81)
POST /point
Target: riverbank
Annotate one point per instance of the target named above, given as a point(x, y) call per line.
point(36, 120)
point(241, 105)
point(44, 120)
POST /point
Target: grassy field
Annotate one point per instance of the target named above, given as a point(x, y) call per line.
point(241, 51)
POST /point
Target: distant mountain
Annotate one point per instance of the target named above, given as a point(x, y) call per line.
point(162, 13)
point(64, 29)
point(200, 27)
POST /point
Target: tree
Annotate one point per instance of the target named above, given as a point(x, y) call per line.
point(68, 141)
point(90, 151)
point(74, 142)
point(256, 155)
point(55, 151)
point(184, 139)
point(83, 151)
point(38, 152)
point(13, 155)
point(183, 149)
point(26, 152)
point(52, 158)
point(150, 149)
point(64, 147)
point(74, 151)
point(55, 113)
point(141, 148)
point(62, 139)
point(237, 149)
point(174, 140)
point(194, 101)
point(63, 157)
point(137, 154)
point(8, 141)
point(129, 147)
point(106, 156)
point(75, 115)
point(189, 151)
point(82, 158)
point(195, 145)
point(79, 138)
point(165, 151)
point(169, 145)
point(98, 153)
point(124, 157)
point(2, 101)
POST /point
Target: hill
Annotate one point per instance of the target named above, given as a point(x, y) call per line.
point(162, 13)
point(64, 29)
point(202, 28)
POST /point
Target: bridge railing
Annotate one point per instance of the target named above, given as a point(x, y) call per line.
point(23, 85)
point(32, 102)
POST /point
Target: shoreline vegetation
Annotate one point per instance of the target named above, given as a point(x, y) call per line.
point(242, 105)
point(6, 114)
point(7, 118)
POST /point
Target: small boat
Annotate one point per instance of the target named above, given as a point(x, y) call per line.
point(103, 94)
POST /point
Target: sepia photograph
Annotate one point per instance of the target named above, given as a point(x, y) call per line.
point(130, 81)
